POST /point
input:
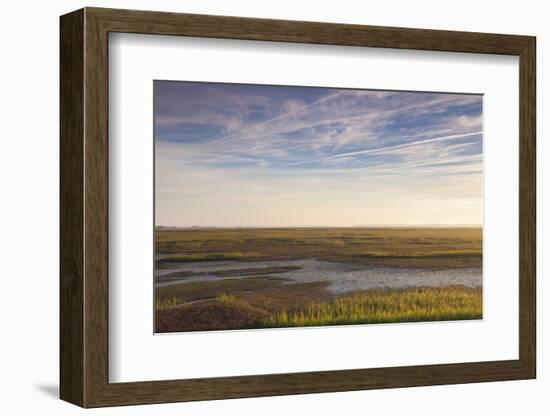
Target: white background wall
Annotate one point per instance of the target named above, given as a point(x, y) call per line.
point(29, 209)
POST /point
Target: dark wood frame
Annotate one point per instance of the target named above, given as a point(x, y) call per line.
point(84, 207)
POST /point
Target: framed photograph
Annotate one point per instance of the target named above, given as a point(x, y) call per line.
point(257, 207)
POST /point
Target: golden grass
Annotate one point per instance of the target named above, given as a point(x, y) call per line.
point(425, 253)
point(404, 305)
point(310, 304)
point(428, 246)
point(176, 294)
point(168, 302)
point(363, 307)
point(233, 255)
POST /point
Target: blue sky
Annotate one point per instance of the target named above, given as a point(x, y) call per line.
point(255, 155)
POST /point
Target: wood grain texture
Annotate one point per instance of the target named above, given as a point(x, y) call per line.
point(225, 27)
point(84, 207)
point(96, 220)
point(527, 207)
point(71, 208)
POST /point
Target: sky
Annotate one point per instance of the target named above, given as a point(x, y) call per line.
point(231, 155)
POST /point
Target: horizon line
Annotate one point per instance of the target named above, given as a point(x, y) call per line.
point(328, 226)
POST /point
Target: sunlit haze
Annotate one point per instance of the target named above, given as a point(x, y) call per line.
point(273, 156)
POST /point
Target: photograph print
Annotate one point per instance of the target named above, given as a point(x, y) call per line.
point(291, 206)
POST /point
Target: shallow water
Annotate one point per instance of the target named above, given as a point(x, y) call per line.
point(344, 277)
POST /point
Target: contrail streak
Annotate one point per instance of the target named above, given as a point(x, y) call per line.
point(279, 117)
point(387, 148)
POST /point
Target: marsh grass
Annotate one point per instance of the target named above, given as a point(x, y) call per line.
point(234, 255)
point(427, 247)
point(168, 302)
point(362, 307)
point(253, 297)
point(404, 305)
point(177, 294)
point(420, 254)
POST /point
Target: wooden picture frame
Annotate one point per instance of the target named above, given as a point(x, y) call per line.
point(84, 207)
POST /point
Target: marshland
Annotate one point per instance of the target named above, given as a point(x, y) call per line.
point(242, 278)
point(287, 206)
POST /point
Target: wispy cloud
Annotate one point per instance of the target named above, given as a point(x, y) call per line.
point(248, 148)
point(282, 116)
point(389, 149)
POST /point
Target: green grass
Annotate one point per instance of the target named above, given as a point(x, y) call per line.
point(234, 255)
point(176, 294)
point(261, 299)
point(420, 254)
point(428, 247)
point(230, 299)
point(168, 302)
point(293, 309)
point(405, 305)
